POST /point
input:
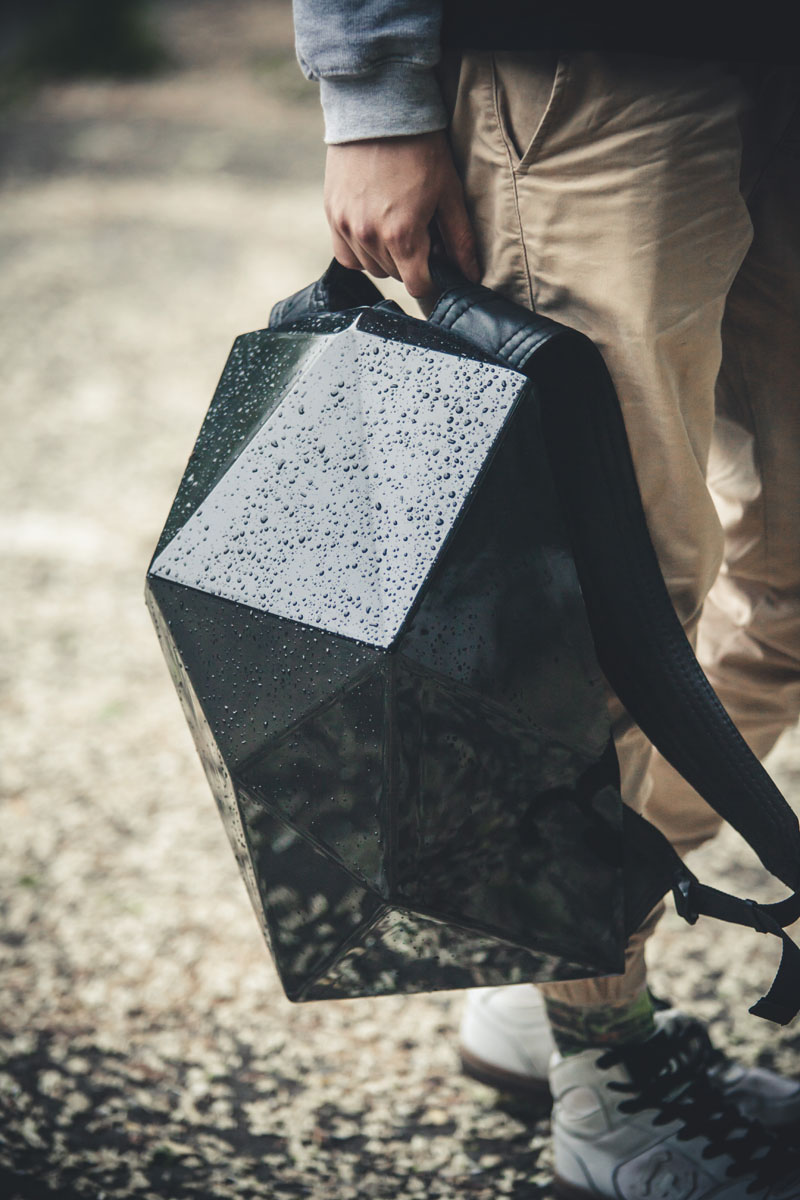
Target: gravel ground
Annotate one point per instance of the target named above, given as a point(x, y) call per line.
point(147, 1048)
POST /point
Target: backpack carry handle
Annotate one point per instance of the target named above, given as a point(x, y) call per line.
point(339, 288)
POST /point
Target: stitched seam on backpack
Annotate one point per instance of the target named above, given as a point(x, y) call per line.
point(441, 318)
point(516, 343)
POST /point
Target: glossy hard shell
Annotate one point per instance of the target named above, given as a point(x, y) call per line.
point(372, 617)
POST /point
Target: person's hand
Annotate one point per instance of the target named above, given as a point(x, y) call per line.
point(380, 199)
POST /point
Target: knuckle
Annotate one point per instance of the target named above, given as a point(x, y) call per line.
point(365, 232)
point(401, 238)
point(338, 223)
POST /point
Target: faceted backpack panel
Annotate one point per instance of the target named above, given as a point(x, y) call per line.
point(256, 675)
point(500, 827)
point(335, 509)
point(373, 619)
point(327, 778)
point(312, 908)
point(404, 952)
point(217, 773)
point(256, 375)
point(502, 611)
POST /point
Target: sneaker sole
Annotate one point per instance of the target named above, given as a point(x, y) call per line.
point(568, 1191)
point(505, 1081)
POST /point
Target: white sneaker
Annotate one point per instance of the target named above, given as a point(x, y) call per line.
point(505, 1039)
point(506, 1042)
point(645, 1122)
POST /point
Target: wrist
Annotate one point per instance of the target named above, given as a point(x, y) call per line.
point(399, 98)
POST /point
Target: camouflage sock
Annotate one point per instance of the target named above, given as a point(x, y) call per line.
point(583, 1028)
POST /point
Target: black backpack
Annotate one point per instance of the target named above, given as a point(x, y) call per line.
point(398, 554)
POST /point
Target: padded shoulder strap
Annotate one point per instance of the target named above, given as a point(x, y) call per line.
point(640, 643)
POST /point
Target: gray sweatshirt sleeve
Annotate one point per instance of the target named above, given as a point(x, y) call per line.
point(374, 60)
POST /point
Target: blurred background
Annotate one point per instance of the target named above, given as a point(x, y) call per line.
point(160, 172)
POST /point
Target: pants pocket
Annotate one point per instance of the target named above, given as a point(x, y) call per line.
point(527, 91)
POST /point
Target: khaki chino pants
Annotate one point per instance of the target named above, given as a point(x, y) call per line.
point(655, 206)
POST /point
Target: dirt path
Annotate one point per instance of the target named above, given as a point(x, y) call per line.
point(147, 1048)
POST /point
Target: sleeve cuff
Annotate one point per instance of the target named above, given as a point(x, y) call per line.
point(399, 98)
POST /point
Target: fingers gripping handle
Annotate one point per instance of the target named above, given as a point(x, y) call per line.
point(340, 288)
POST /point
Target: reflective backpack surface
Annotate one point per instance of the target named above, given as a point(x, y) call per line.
point(367, 594)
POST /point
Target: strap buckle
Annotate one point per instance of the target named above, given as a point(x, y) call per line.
point(685, 902)
point(759, 919)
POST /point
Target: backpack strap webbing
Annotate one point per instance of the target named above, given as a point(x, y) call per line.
point(653, 866)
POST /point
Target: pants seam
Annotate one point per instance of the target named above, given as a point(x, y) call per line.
point(513, 183)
